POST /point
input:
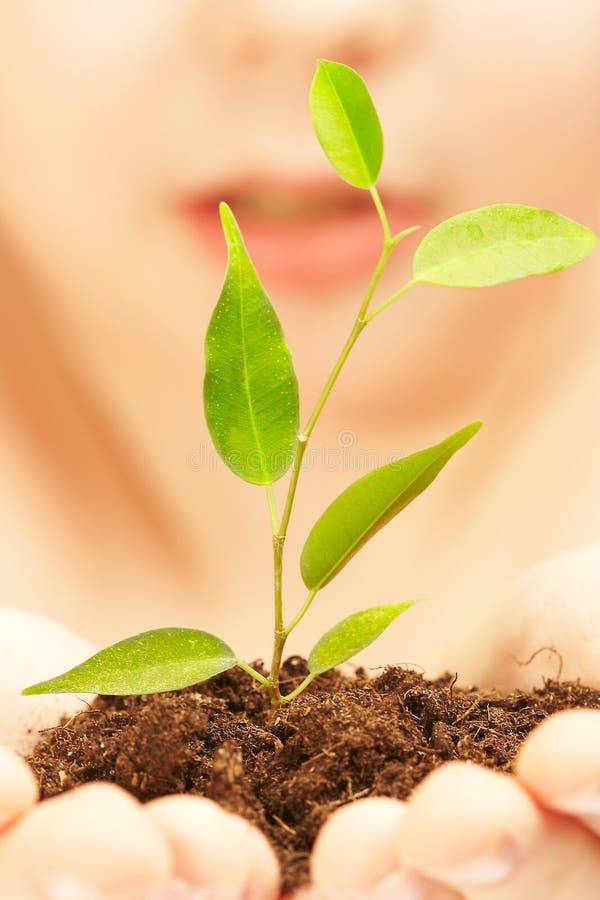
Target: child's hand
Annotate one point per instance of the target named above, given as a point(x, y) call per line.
point(473, 833)
point(96, 842)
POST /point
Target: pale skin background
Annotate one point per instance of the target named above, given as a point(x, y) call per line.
point(109, 112)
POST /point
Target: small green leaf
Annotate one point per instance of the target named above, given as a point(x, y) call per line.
point(346, 123)
point(370, 503)
point(250, 387)
point(500, 243)
point(166, 659)
point(352, 635)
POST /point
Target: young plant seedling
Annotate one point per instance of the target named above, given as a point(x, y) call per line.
point(252, 407)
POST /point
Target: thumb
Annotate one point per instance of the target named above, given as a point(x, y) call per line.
point(543, 624)
point(32, 648)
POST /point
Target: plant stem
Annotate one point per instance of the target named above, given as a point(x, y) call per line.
point(387, 234)
point(302, 612)
point(279, 632)
point(359, 324)
point(271, 683)
point(390, 300)
point(402, 234)
point(301, 687)
point(280, 532)
point(357, 328)
point(256, 675)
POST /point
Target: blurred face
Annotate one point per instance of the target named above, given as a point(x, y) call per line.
point(123, 124)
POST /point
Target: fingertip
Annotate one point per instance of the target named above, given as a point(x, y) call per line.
point(18, 786)
point(203, 836)
point(559, 762)
point(264, 882)
point(97, 833)
point(463, 811)
point(356, 847)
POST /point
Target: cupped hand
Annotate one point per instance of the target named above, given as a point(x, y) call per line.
point(468, 832)
point(97, 842)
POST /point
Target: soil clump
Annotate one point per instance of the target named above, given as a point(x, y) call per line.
point(343, 739)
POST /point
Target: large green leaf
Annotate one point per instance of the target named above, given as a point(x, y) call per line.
point(162, 660)
point(352, 635)
point(346, 123)
point(500, 243)
point(369, 504)
point(250, 387)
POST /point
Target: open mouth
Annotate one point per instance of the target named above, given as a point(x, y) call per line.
point(303, 234)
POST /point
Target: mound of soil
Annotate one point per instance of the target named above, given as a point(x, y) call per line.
point(344, 738)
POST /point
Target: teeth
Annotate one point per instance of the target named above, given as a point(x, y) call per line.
point(281, 206)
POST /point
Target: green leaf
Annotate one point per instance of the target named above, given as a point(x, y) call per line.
point(250, 387)
point(346, 123)
point(162, 660)
point(369, 504)
point(352, 635)
point(500, 243)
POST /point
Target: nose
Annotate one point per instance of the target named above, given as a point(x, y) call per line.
point(364, 34)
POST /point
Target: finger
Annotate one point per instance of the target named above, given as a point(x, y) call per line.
point(479, 832)
point(33, 647)
point(214, 849)
point(559, 764)
point(96, 834)
point(18, 787)
point(355, 856)
point(545, 621)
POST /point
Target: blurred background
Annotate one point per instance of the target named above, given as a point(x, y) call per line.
point(121, 128)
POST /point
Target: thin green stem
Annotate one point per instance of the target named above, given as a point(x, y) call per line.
point(280, 532)
point(287, 509)
point(256, 675)
point(301, 687)
point(390, 300)
point(358, 326)
point(303, 439)
point(304, 609)
point(387, 234)
point(279, 635)
point(402, 234)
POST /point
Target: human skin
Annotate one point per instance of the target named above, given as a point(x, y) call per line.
point(108, 115)
point(465, 833)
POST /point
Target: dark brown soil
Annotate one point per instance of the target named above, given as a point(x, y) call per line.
point(342, 739)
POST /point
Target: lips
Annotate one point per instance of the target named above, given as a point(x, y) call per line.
point(302, 233)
